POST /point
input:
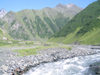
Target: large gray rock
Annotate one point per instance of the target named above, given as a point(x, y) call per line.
point(95, 68)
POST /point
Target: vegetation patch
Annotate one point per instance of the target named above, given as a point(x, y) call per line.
point(34, 51)
point(11, 43)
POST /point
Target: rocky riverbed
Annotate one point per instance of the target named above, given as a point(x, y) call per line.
point(19, 65)
point(5, 55)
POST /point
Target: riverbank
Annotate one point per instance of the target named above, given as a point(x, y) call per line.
point(19, 65)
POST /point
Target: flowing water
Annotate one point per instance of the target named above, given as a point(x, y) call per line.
point(74, 66)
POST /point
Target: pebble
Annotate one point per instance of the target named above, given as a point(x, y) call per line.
point(19, 65)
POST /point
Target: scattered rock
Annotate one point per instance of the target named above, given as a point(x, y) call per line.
point(4, 67)
point(19, 65)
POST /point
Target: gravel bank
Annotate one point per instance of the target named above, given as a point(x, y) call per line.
point(18, 65)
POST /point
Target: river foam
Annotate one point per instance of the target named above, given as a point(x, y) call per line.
point(74, 66)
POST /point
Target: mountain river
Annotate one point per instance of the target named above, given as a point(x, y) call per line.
point(73, 66)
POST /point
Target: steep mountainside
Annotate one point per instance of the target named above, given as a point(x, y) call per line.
point(84, 27)
point(4, 35)
point(35, 24)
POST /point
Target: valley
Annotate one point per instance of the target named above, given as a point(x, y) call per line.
point(83, 28)
point(59, 40)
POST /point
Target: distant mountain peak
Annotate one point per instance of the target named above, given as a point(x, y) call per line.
point(70, 5)
point(67, 6)
point(60, 5)
point(3, 12)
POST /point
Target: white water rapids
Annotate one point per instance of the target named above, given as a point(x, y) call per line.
point(74, 66)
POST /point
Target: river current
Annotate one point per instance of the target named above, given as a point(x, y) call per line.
point(73, 66)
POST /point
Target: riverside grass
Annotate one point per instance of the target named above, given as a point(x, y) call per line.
point(15, 43)
point(33, 51)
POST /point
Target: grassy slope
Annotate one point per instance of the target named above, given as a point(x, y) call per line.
point(88, 24)
point(36, 24)
point(90, 38)
point(86, 19)
point(3, 33)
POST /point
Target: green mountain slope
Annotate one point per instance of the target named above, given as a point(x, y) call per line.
point(3, 32)
point(36, 24)
point(4, 35)
point(84, 27)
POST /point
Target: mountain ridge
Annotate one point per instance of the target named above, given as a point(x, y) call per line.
point(32, 24)
point(83, 28)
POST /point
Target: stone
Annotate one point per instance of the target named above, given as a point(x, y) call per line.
point(95, 67)
point(4, 67)
point(19, 64)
